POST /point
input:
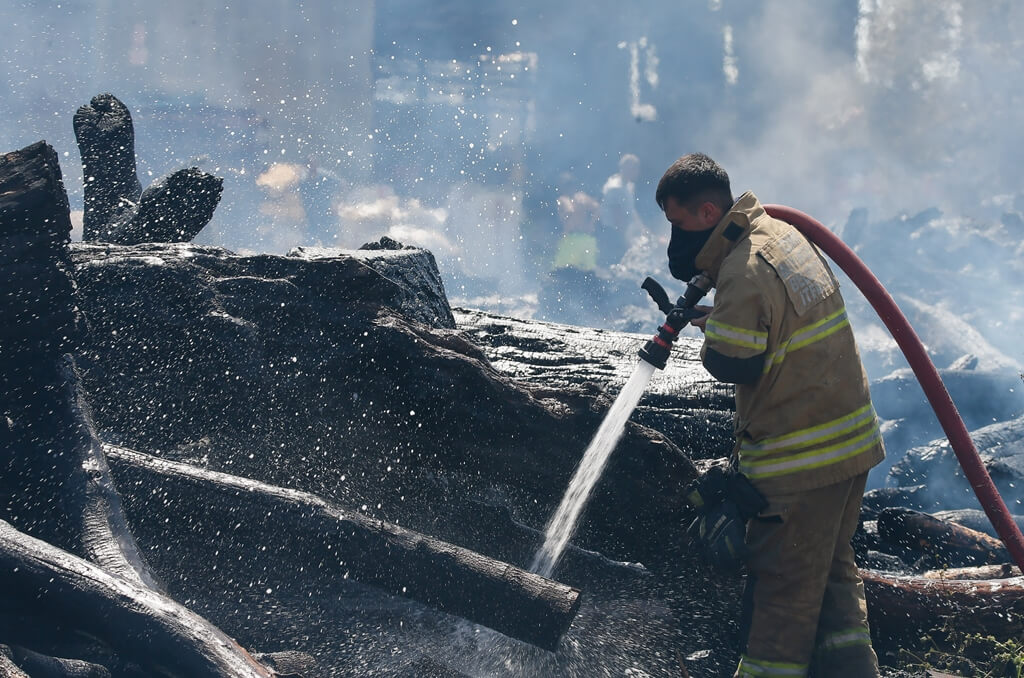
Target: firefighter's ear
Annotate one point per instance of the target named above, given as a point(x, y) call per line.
point(710, 213)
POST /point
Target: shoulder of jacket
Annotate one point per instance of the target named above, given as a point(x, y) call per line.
point(766, 231)
point(744, 262)
point(766, 226)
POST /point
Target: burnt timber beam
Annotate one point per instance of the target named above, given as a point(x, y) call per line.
point(180, 501)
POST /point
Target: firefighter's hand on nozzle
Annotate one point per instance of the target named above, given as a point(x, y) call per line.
point(680, 316)
point(700, 322)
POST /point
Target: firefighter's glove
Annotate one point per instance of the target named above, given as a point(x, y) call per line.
point(719, 534)
point(725, 501)
point(678, 318)
point(749, 501)
point(709, 489)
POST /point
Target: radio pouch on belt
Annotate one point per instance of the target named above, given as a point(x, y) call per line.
point(725, 501)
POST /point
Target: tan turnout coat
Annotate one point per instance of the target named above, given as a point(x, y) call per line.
point(808, 421)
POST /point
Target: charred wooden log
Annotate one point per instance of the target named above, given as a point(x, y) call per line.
point(287, 664)
point(174, 208)
point(134, 620)
point(8, 668)
point(194, 503)
point(1004, 571)
point(51, 457)
point(106, 142)
point(37, 305)
point(974, 519)
point(877, 500)
point(426, 667)
point(196, 347)
point(57, 461)
point(900, 609)
point(55, 483)
point(43, 666)
point(943, 541)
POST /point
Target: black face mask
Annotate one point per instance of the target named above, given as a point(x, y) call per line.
point(683, 248)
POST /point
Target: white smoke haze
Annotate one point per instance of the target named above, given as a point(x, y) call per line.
point(862, 33)
point(651, 63)
point(281, 177)
point(930, 31)
point(730, 68)
point(641, 111)
point(372, 211)
point(915, 117)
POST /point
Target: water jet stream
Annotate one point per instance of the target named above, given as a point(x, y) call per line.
point(563, 523)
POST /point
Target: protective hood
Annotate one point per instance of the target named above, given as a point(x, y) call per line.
point(683, 248)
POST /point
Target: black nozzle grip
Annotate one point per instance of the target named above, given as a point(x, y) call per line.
point(658, 294)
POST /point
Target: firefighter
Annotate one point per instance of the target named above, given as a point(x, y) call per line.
point(806, 432)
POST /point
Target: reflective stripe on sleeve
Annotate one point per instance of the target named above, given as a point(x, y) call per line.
point(814, 435)
point(806, 336)
point(845, 638)
point(755, 668)
point(737, 336)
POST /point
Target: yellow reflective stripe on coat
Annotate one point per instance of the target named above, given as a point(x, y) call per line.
point(808, 335)
point(845, 638)
point(811, 436)
point(754, 668)
point(812, 459)
point(737, 336)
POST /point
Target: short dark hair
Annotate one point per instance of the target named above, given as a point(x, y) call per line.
point(695, 179)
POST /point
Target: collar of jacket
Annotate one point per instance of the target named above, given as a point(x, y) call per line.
point(734, 227)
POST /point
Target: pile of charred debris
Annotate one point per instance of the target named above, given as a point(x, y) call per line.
point(937, 577)
point(316, 457)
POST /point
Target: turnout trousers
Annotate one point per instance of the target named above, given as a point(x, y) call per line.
point(803, 605)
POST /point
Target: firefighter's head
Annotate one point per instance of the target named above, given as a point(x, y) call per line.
point(694, 194)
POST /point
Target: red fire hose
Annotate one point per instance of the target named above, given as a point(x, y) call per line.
point(924, 369)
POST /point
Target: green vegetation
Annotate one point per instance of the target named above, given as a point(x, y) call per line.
point(965, 654)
